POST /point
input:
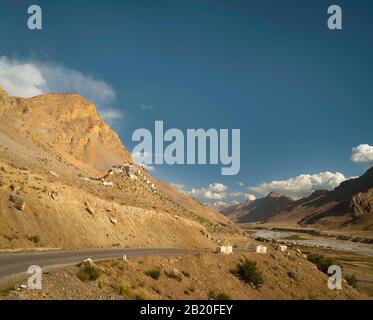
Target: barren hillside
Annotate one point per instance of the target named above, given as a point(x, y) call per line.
point(191, 277)
point(54, 154)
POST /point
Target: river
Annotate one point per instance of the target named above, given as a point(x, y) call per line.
point(366, 249)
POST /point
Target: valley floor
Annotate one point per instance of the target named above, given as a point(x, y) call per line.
point(353, 263)
point(355, 257)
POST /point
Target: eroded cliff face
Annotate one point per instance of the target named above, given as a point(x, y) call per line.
point(2, 92)
point(7, 104)
point(54, 152)
point(362, 204)
point(68, 123)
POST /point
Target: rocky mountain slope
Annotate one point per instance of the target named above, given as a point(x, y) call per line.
point(259, 209)
point(69, 124)
point(349, 206)
point(54, 152)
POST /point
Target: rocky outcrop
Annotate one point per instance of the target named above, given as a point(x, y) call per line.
point(68, 123)
point(18, 202)
point(362, 204)
point(2, 93)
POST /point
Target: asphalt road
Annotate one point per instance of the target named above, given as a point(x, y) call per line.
point(15, 265)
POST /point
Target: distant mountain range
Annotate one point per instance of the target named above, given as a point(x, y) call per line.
point(259, 209)
point(350, 205)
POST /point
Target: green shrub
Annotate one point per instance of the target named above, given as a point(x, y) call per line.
point(352, 281)
point(143, 295)
point(261, 239)
point(155, 274)
point(321, 262)
point(248, 272)
point(89, 273)
point(124, 291)
point(219, 296)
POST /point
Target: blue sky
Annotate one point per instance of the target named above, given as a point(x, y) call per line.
point(300, 93)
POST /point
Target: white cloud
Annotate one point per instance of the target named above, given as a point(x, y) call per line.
point(215, 191)
point(302, 185)
point(20, 79)
point(207, 194)
point(241, 184)
point(220, 192)
point(218, 205)
point(61, 79)
point(217, 187)
point(363, 154)
point(221, 205)
point(241, 194)
point(30, 78)
point(250, 197)
point(111, 115)
point(178, 186)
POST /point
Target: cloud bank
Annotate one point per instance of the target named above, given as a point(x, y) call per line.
point(31, 78)
point(207, 194)
point(217, 195)
point(302, 185)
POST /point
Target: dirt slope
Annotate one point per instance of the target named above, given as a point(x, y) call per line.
point(285, 276)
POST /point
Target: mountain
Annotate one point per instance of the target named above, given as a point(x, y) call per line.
point(349, 206)
point(56, 190)
point(259, 209)
point(70, 125)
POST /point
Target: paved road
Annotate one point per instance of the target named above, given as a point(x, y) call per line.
point(15, 265)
